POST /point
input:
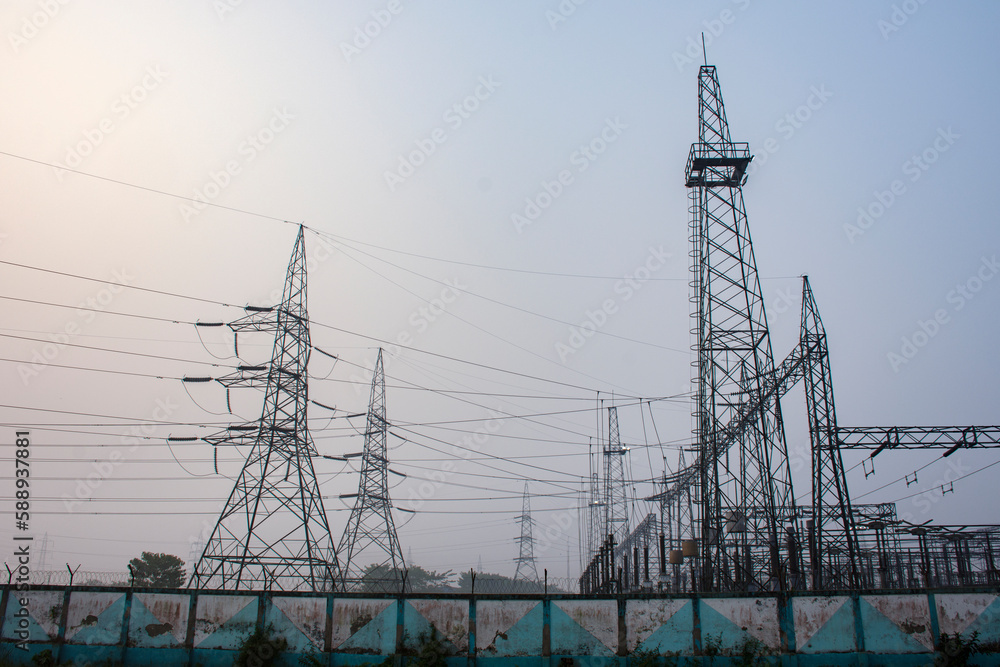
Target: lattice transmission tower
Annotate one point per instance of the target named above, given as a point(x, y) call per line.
point(615, 495)
point(744, 483)
point(526, 570)
point(273, 531)
point(369, 548)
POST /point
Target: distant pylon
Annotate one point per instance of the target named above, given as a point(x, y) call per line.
point(373, 559)
point(273, 532)
point(526, 570)
point(615, 497)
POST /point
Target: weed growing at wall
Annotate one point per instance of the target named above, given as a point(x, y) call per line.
point(751, 653)
point(311, 659)
point(649, 658)
point(43, 659)
point(432, 651)
point(260, 649)
point(955, 651)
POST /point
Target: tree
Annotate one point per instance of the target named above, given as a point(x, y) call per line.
point(429, 581)
point(383, 579)
point(157, 571)
point(498, 583)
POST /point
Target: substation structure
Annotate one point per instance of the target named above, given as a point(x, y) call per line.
point(729, 520)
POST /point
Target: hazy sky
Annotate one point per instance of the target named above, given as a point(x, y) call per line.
point(478, 177)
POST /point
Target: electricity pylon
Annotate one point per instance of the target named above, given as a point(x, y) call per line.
point(373, 559)
point(744, 493)
point(526, 570)
point(273, 532)
point(615, 497)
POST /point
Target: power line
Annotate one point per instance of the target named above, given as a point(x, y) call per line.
point(501, 303)
point(312, 322)
point(117, 284)
point(93, 310)
point(96, 370)
point(986, 467)
point(344, 241)
point(146, 189)
point(125, 352)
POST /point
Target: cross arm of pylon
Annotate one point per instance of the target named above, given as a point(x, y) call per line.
point(245, 376)
point(949, 438)
point(237, 434)
point(258, 318)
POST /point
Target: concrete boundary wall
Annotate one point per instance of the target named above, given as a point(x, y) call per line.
point(183, 628)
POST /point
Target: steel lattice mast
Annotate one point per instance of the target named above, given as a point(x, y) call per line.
point(369, 548)
point(273, 531)
point(615, 497)
point(676, 514)
point(832, 537)
point(526, 570)
point(594, 518)
point(744, 490)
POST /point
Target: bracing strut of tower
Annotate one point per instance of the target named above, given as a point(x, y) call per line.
point(273, 531)
point(526, 570)
point(615, 495)
point(369, 549)
point(744, 487)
